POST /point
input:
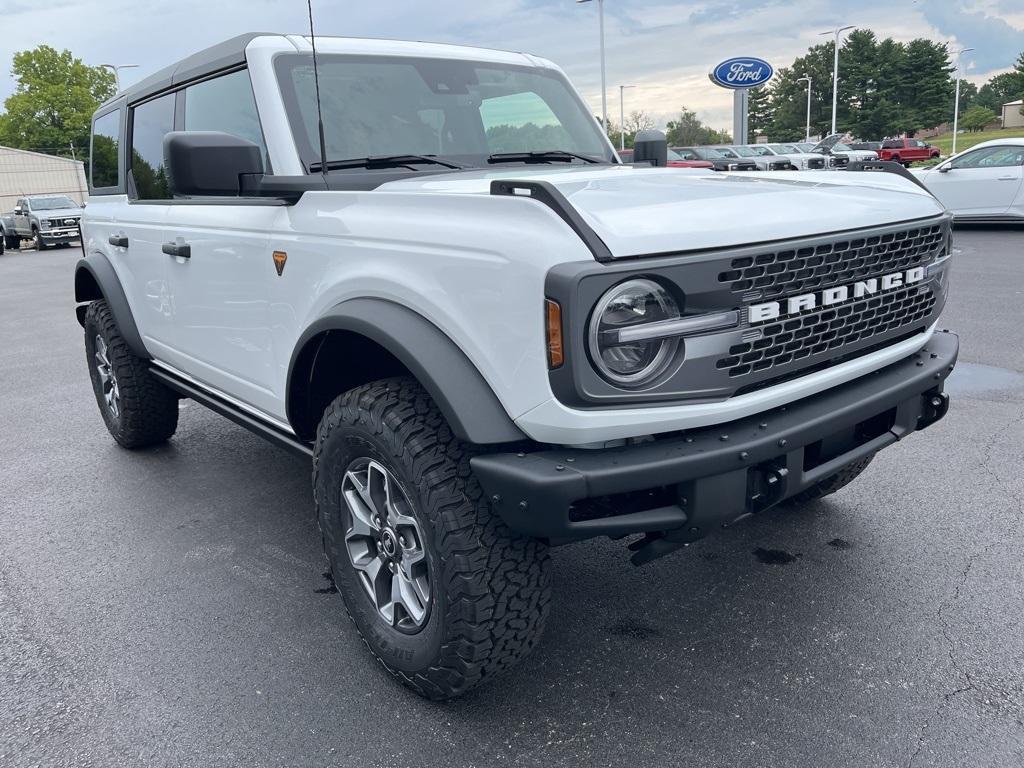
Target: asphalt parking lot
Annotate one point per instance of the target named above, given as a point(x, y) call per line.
point(168, 607)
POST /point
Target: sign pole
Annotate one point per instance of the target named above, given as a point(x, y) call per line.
point(740, 105)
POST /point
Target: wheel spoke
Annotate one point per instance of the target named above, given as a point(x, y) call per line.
point(404, 593)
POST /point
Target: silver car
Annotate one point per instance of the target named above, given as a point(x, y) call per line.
point(765, 161)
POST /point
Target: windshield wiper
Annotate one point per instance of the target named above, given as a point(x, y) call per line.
point(541, 157)
point(384, 161)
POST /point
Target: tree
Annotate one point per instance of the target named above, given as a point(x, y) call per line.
point(637, 121)
point(759, 109)
point(688, 130)
point(54, 99)
point(977, 117)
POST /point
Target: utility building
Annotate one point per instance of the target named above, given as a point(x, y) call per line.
point(1012, 118)
point(32, 173)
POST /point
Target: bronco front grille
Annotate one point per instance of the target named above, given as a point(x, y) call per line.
point(799, 270)
point(819, 331)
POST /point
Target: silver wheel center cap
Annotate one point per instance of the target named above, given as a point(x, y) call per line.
point(388, 542)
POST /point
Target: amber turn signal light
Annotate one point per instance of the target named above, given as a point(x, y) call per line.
point(556, 353)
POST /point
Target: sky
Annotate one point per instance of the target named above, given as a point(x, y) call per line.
point(663, 47)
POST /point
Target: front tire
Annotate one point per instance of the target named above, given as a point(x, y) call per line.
point(138, 410)
point(442, 592)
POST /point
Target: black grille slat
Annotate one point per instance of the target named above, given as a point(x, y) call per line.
point(788, 271)
point(829, 329)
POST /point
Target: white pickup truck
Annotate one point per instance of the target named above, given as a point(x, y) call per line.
point(489, 335)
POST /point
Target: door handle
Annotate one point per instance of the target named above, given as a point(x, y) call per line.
point(121, 241)
point(1005, 178)
point(177, 249)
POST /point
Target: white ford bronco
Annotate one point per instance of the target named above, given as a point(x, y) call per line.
point(490, 336)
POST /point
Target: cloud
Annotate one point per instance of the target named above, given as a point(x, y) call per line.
point(995, 41)
point(666, 47)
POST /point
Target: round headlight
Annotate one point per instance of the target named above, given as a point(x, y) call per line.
point(627, 305)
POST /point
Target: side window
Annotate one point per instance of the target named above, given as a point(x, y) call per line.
point(150, 123)
point(521, 122)
point(106, 138)
point(991, 157)
point(224, 104)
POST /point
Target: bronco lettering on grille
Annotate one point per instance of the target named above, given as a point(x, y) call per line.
point(771, 310)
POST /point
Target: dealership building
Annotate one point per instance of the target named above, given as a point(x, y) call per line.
point(32, 173)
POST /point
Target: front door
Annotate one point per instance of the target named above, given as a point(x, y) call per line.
point(981, 182)
point(219, 291)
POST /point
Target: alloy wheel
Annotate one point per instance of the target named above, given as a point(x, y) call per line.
point(385, 545)
point(108, 381)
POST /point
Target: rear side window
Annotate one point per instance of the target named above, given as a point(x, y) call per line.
point(892, 144)
point(151, 121)
point(103, 160)
point(224, 104)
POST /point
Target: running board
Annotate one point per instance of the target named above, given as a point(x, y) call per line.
point(217, 404)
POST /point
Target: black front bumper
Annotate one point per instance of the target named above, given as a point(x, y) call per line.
point(683, 486)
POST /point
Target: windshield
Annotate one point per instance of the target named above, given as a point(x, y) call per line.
point(785, 149)
point(460, 111)
point(763, 151)
point(840, 147)
point(51, 203)
point(705, 153)
point(744, 151)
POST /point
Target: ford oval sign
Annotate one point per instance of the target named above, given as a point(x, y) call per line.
point(742, 72)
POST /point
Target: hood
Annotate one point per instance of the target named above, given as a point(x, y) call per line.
point(60, 213)
point(645, 211)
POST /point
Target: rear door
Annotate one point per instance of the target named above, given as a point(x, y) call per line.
point(22, 224)
point(220, 294)
point(982, 182)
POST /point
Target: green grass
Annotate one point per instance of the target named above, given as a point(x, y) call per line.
point(968, 140)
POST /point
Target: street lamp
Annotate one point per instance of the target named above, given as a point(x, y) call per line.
point(835, 71)
point(622, 116)
point(956, 99)
point(604, 87)
point(116, 69)
point(807, 133)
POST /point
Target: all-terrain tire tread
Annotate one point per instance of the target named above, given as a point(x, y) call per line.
point(497, 583)
point(149, 410)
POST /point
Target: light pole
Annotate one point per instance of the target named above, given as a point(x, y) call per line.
point(835, 71)
point(622, 115)
point(116, 69)
point(807, 133)
point(604, 86)
point(956, 98)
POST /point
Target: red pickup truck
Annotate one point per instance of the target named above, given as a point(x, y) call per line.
point(906, 151)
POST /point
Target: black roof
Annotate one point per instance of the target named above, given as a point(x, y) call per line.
point(227, 54)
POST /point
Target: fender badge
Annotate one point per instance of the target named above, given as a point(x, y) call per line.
point(280, 257)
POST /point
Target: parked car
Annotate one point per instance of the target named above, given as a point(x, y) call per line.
point(486, 345)
point(907, 151)
point(764, 162)
point(803, 161)
point(45, 219)
point(804, 146)
point(984, 183)
point(874, 146)
point(675, 160)
point(840, 154)
point(718, 160)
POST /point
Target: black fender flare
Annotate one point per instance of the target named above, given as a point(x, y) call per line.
point(95, 279)
point(461, 393)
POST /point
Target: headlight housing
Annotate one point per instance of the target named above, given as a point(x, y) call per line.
point(45, 223)
point(631, 363)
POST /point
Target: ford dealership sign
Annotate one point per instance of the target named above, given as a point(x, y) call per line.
point(742, 72)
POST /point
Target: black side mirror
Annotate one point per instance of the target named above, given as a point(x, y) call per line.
point(946, 169)
point(650, 147)
point(209, 163)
